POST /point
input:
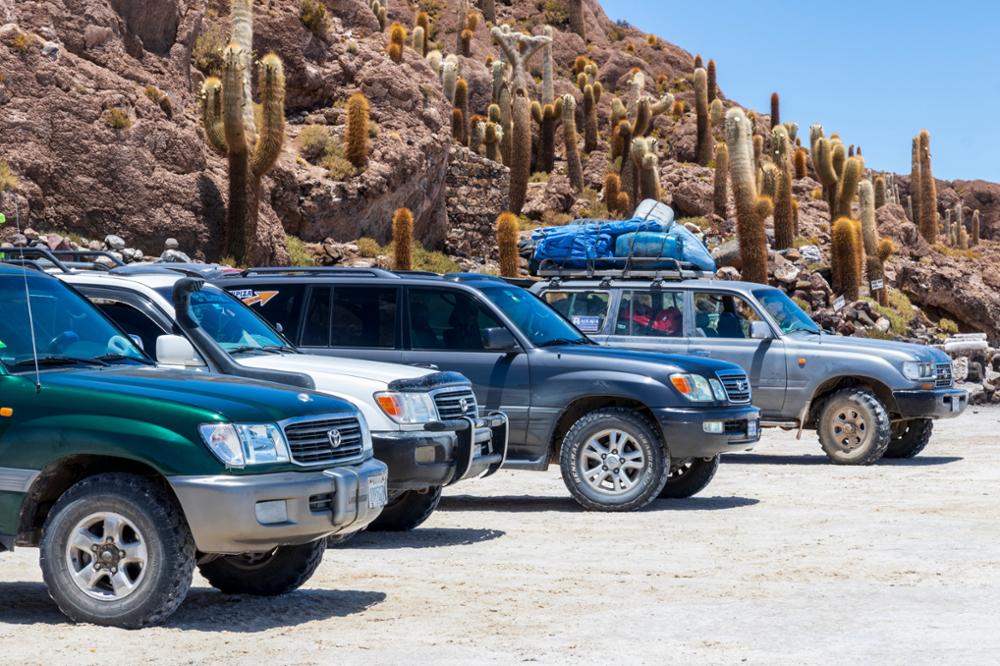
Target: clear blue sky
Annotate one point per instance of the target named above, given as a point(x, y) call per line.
point(876, 72)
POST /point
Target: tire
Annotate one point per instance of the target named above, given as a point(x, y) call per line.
point(407, 511)
point(689, 477)
point(854, 427)
point(137, 589)
point(599, 431)
point(282, 570)
point(909, 438)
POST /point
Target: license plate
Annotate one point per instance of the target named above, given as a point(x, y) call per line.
point(752, 429)
point(956, 404)
point(377, 495)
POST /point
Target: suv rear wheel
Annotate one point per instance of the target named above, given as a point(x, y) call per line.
point(854, 427)
point(689, 477)
point(613, 460)
point(284, 569)
point(407, 511)
point(117, 551)
point(909, 438)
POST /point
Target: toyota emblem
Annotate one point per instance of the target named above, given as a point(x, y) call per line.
point(742, 386)
point(463, 405)
point(335, 437)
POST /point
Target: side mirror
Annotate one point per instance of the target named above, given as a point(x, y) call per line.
point(759, 330)
point(177, 351)
point(499, 340)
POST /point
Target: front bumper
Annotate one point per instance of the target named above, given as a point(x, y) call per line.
point(224, 512)
point(942, 403)
point(684, 433)
point(444, 453)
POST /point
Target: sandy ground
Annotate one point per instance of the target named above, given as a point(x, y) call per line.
point(784, 558)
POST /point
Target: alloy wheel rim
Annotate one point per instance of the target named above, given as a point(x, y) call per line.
point(106, 556)
point(849, 429)
point(612, 462)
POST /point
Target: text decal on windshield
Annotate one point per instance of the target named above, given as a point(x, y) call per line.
point(251, 297)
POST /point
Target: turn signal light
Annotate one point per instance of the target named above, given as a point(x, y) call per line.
point(927, 387)
point(681, 383)
point(389, 404)
point(6, 411)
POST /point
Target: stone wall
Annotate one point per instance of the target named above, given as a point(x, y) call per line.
point(476, 194)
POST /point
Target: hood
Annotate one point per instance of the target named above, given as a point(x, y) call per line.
point(231, 398)
point(333, 367)
point(887, 349)
point(652, 364)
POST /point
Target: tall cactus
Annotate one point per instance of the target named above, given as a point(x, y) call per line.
point(844, 264)
point(801, 161)
point(462, 104)
point(574, 8)
point(547, 117)
point(720, 186)
point(402, 240)
point(784, 215)
point(508, 232)
point(751, 209)
point(548, 78)
point(880, 191)
point(419, 40)
point(574, 167)
point(617, 201)
point(356, 130)
point(775, 109)
point(928, 191)
point(713, 86)
point(703, 145)
point(644, 158)
point(847, 186)
point(915, 180)
point(397, 40)
point(591, 97)
point(250, 148)
point(976, 231)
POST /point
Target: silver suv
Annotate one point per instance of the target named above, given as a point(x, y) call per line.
point(866, 398)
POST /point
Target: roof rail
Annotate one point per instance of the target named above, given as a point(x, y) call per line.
point(209, 271)
point(24, 263)
point(318, 271)
point(77, 255)
point(19, 254)
point(417, 274)
point(657, 268)
point(462, 277)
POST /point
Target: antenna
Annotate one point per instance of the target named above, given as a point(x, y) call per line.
point(27, 298)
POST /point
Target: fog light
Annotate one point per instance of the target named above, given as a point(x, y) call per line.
point(713, 427)
point(272, 512)
point(424, 454)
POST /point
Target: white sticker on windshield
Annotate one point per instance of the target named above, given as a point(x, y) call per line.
point(587, 324)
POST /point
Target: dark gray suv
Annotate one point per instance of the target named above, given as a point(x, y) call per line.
point(625, 426)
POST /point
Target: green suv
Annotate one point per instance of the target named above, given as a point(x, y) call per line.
point(127, 476)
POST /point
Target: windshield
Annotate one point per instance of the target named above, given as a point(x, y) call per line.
point(789, 316)
point(542, 325)
point(68, 329)
point(229, 322)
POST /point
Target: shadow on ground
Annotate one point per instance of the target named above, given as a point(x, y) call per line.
point(763, 459)
point(206, 609)
point(422, 537)
point(530, 503)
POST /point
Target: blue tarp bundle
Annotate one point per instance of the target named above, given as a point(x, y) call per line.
point(610, 243)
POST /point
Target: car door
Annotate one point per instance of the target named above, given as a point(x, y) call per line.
point(444, 328)
point(723, 323)
point(651, 319)
point(133, 313)
point(588, 309)
point(352, 320)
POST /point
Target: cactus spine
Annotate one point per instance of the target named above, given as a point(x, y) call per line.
point(703, 147)
point(251, 150)
point(402, 240)
point(574, 167)
point(356, 130)
point(751, 210)
point(844, 258)
point(720, 189)
point(928, 191)
point(508, 232)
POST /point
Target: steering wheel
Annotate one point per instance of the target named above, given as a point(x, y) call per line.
point(119, 345)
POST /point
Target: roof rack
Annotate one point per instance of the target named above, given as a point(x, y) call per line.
point(208, 271)
point(623, 268)
point(17, 255)
point(319, 271)
point(24, 263)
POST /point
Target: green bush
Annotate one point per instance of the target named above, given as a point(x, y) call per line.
point(8, 181)
point(314, 17)
point(423, 259)
point(117, 118)
point(298, 253)
point(206, 54)
point(313, 142)
point(948, 326)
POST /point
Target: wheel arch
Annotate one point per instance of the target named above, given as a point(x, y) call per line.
point(584, 405)
point(834, 384)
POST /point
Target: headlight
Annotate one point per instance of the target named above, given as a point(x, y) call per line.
point(693, 387)
point(918, 370)
point(407, 407)
point(719, 390)
point(242, 444)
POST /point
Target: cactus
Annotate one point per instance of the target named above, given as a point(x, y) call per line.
point(520, 156)
point(508, 234)
point(467, 32)
point(574, 8)
point(617, 201)
point(751, 209)
point(793, 131)
point(491, 135)
point(402, 240)
point(976, 231)
point(457, 121)
point(419, 40)
point(591, 97)
point(517, 49)
point(677, 109)
point(434, 61)
point(775, 110)
point(767, 177)
point(909, 207)
point(784, 215)
point(380, 13)
point(618, 113)
point(928, 191)
point(758, 149)
point(716, 112)
point(462, 104)
point(949, 237)
point(397, 39)
point(449, 78)
point(643, 153)
point(880, 192)
point(547, 117)
point(913, 203)
point(423, 20)
point(250, 148)
point(356, 130)
point(866, 207)
point(847, 186)
point(844, 258)
point(698, 63)
point(574, 167)
point(713, 85)
point(801, 163)
point(548, 78)
point(720, 189)
point(703, 145)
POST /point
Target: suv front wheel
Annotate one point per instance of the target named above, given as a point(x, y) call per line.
point(269, 574)
point(689, 477)
point(613, 460)
point(854, 427)
point(909, 438)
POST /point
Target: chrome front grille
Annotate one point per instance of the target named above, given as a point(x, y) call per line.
point(324, 440)
point(737, 386)
point(943, 376)
point(455, 402)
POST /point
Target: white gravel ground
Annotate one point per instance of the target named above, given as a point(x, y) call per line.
point(783, 559)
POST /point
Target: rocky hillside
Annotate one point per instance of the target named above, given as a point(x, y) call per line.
point(100, 134)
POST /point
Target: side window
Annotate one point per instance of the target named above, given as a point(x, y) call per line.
point(364, 317)
point(655, 314)
point(723, 316)
point(133, 321)
point(588, 310)
point(447, 319)
point(279, 304)
point(316, 325)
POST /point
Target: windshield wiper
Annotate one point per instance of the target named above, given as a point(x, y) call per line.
point(270, 349)
point(113, 358)
point(566, 341)
point(58, 360)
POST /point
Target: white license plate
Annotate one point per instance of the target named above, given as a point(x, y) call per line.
point(751, 429)
point(377, 495)
point(956, 405)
